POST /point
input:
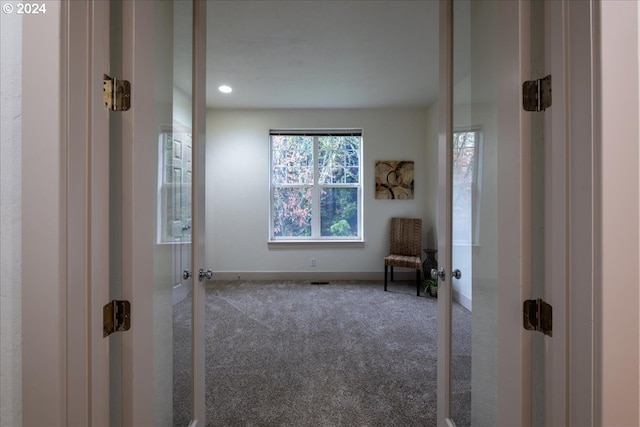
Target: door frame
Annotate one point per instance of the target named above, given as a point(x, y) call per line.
point(576, 355)
point(556, 189)
point(47, 102)
point(570, 212)
point(590, 50)
point(63, 214)
point(444, 226)
point(198, 246)
point(65, 225)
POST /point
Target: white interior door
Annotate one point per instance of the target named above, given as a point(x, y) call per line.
point(485, 214)
point(157, 178)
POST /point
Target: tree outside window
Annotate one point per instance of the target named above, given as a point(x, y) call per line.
point(466, 185)
point(315, 185)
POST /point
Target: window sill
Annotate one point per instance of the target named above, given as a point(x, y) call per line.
point(301, 244)
point(161, 243)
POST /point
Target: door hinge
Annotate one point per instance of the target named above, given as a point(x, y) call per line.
point(537, 315)
point(116, 94)
point(536, 94)
point(116, 317)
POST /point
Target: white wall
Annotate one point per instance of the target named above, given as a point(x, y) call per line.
point(10, 220)
point(431, 194)
point(181, 108)
point(237, 226)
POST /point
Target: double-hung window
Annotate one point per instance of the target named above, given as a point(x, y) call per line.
point(316, 185)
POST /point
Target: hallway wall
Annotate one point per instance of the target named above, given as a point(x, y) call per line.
point(10, 221)
point(237, 207)
point(617, 291)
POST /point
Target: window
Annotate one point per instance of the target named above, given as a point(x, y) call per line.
point(316, 185)
point(174, 187)
point(466, 186)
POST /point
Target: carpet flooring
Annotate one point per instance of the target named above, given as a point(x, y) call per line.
point(339, 354)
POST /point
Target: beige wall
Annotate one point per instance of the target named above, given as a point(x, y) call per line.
point(10, 220)
point(43, 282)
point(431, 194)
point(619, 254)
point(237, 207)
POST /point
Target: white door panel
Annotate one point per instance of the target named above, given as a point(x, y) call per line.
point(485, 212)
point(155, 232)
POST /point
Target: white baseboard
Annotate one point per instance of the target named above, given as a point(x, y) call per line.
point(311, 275)
point(461, 299)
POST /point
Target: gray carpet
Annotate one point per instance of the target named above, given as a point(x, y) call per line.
point(297, 354)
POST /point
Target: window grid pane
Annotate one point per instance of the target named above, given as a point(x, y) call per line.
point(176, 203)
point(335, 212)
point(292, 211)
point(339, 211)
point(292, 159)
point(338, 159)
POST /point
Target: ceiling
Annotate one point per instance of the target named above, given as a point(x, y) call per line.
point(322, 54)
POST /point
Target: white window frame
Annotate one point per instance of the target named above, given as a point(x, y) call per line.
point(476, 186)
point(316, 187)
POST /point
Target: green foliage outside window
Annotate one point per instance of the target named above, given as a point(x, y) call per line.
point(324, 167)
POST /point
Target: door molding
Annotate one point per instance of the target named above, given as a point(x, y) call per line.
point(444, 225)
point(581, 140)
point(138, 202)
point(556, 190)
point(514, 216)
point(87, 185)
point(63, 265)
point(198, 256)
point(593, 357)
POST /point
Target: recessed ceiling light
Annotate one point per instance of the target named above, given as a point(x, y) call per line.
point(225, 89)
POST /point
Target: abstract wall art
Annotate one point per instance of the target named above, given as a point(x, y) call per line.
point(394, 179)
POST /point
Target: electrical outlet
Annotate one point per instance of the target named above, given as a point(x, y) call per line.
point(313, 262)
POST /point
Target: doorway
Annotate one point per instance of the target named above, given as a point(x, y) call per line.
point(316, 65)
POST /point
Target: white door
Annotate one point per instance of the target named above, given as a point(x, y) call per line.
point(491, 230)
point(156, 213)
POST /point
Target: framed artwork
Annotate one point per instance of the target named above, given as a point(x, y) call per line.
point(394, 179)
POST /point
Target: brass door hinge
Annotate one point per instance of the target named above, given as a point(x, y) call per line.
point(116, 317)
point(536, 94)
point(116, 94)
point(537, 315)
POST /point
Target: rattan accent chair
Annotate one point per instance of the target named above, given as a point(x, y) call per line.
point(405, 247)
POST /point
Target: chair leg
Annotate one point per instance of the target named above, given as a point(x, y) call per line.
point(385, 277)
point(418, 282)
point(392, 273)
